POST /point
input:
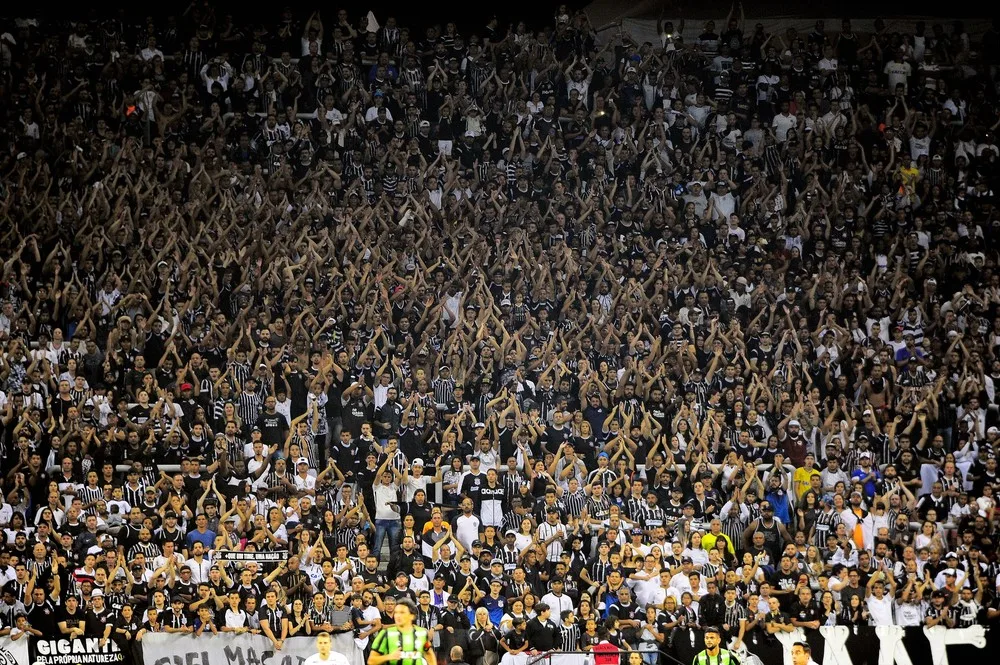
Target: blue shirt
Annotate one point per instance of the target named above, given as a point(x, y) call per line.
point(207, 539)
point(779, 500)
point(495, 606)
point(870, 485)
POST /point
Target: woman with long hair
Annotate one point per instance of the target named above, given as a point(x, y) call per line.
point(484, 640)
point(670, 618)
point(929, 536)
point(529, 606)
point(17, 526)
point(828, 609)
point(329, 526)
point(813, 566)
point(409, 529)
point(585, 610)
point(298, 618)
point(452, 482)
point(854, 612)
point(525, 534)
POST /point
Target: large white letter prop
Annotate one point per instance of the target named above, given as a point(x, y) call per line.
point(789, 639)
point(892, 650)
point(835, 652)
point(940, 637)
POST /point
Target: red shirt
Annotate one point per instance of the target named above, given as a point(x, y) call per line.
point(606, 653)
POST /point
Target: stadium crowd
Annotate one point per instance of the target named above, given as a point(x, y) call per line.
point(571, 340)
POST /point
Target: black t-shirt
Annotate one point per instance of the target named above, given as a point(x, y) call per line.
point(96, 622)
point(72, 620)
point(780, 618)
point(255, 589)
point(355, 413)
point(273, 428)
point(131, 625)
point(176, 537)
point(397, 593)
point(189, 589)
point(784, 582)
point(541, 637)
point(808, 612)
point(472, 485)
point(43, 617)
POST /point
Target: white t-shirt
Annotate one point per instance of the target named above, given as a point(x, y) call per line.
point(414, 484)
point(660, 596)
point(307, 483)
point(467, 530)
point(333, 659)
point(558, 604)
point(909, 614)
point(897, 73)
point(645, 590)
point(384, 495)
point(881, 610)
point(781, 124)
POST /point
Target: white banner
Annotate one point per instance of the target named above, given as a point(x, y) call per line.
point(228, 649)
point(14, 652)
point(223, 649)
point(227, 556)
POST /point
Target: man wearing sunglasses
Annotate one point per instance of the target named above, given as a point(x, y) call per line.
point(775, 533)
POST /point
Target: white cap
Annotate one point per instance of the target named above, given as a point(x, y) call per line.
point(794, 423)
point(301, 460)
point(418, 462)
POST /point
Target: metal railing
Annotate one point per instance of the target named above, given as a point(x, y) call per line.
point(587, 657)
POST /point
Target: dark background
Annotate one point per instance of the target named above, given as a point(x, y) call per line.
point(471, 16)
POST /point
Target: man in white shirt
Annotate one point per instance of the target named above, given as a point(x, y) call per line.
point(304, 481)
point(387, 516)
point(687, 578)
point(151, 51)
point(7, 316)
point(739, 293)
point(467, 525)
point(199, 563)
point(724, 204)
point(880, 602)
point(646, 582)
point(665, 590)
point(325, 655)
point(783, 122)
point(557, 600)
point(898, 71)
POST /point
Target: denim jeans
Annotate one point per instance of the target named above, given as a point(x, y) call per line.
point(650, 653)
point(383, 528)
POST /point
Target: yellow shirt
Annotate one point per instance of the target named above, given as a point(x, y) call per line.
point(709, 539)
point(909, 177)
point(800, 481)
